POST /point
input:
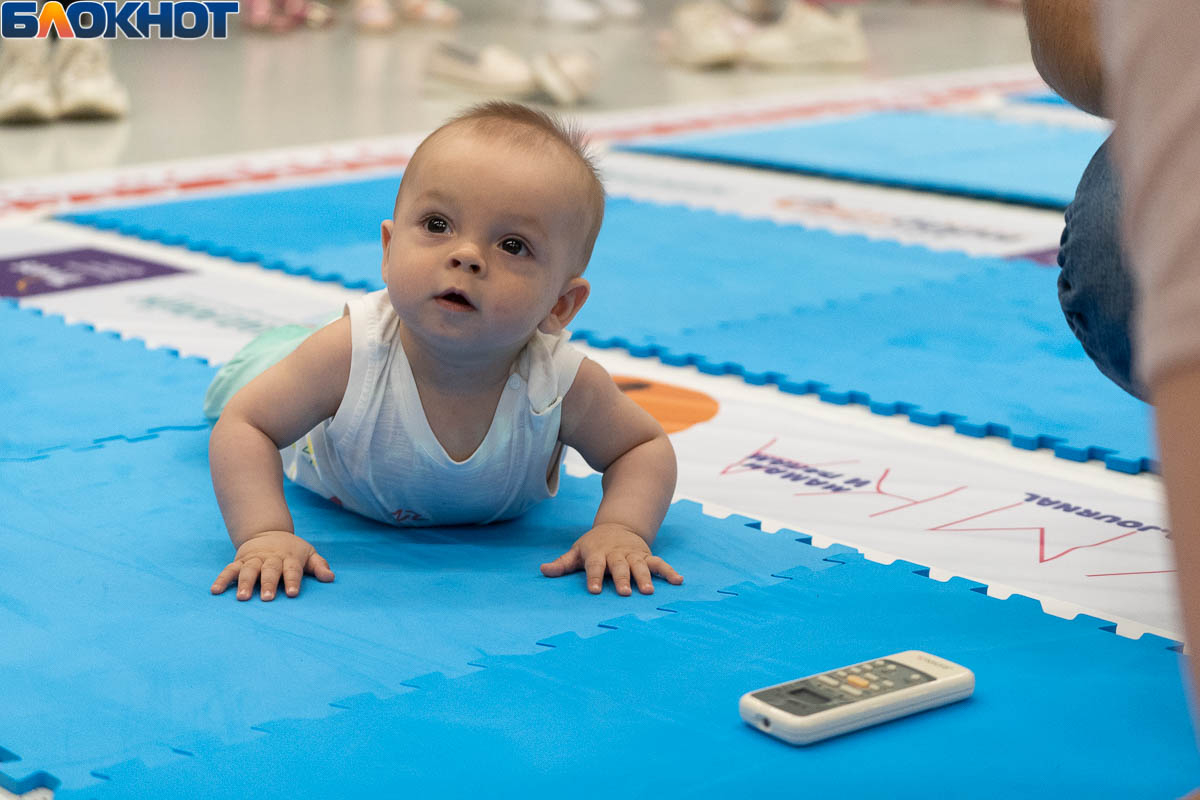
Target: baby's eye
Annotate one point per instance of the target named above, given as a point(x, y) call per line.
point(513, 246)
point(436, 225)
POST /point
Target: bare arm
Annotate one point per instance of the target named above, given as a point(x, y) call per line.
point(1152, 75)
point(619, 439)
point(1177, 398)
point(616, 437)
point(271, 412)
point(1065, 49)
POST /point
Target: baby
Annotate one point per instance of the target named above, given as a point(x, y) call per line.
point(448, 397)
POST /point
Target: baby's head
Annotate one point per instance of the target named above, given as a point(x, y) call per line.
point(493, 226)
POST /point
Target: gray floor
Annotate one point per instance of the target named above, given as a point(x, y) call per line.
point(258, 91)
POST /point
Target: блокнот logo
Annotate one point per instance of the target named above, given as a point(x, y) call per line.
point(108, 19)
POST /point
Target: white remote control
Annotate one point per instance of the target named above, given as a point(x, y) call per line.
point(843, 700)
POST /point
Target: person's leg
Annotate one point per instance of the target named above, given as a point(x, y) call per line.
point(263, 352)
point(1094, 287)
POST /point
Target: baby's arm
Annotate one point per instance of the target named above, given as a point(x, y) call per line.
point(618, 438)
point(272, 411)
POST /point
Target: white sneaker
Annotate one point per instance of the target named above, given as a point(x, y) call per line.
point(808, 35)
point(568, 76)
point(87, 87)
point(491, 69)
point(760, 11)
point(26, 94)
point(576, 13)
point(705, 34)
point(622, 10)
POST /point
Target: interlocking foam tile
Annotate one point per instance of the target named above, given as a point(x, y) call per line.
point(329, 231)
point(976, 156)
point(983, 353)
point(655, 269)
point(114, 648)
point(66, 385)
point(650, 710)
point(737, 295)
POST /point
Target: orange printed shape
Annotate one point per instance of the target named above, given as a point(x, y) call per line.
point(53, 15)
point(675, 407)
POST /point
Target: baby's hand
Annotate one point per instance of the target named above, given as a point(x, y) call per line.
point(617, 550)
point(270, 555)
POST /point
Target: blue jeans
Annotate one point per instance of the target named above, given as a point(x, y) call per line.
point(1094, 287)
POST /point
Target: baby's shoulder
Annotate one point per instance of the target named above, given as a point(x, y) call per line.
point(591, 389)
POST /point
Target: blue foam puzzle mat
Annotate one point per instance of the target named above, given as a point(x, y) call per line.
point(960, 154)
point(654, 269)
point(69, 386)
point(694, 286)
point(987, 353)
point(650, 710)
point(114, 648)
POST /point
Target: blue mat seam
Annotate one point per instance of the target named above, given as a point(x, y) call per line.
point(788, 384)
point(792, 385)
point(437, 681)
point(99, 441)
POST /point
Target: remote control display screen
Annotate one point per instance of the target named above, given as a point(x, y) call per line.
point(806, 695)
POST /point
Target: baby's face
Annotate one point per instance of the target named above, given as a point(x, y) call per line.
point(485, 238)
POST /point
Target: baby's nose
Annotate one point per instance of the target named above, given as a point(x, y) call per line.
point(467, 258)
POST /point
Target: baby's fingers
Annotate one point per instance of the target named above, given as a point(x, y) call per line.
point(618, 567)
point(594, 568)
point(226, 577)
point(662, 568)
point(271, 570)
point(565, 564)
point(641, 574)
point(318, 567)
point(292, 573)
point(248, 577)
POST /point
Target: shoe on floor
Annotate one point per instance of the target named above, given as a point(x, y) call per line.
point(575, 13)
point(705, 34)
point(492, 69)
point(87, 87)
point(760, 11)
point(568, 76)
point(808, 35)
point(26, 94)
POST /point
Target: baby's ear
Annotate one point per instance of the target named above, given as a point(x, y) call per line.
point(385, 236)
point(572, 298)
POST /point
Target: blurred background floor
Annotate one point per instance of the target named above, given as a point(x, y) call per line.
point(257, 91)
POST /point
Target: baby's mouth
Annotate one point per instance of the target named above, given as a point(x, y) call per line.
point(454, 300)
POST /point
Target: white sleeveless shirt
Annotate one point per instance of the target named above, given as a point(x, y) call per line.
point(379, 457)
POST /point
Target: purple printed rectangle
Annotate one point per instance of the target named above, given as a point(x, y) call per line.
point(73, 269)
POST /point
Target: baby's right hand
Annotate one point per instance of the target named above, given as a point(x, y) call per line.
point(265, 558)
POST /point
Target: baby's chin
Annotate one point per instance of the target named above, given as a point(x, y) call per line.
point(464, 334)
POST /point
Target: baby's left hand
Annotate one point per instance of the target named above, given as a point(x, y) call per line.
point(617, 550)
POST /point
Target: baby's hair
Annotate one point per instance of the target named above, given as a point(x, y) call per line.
point(529, 127)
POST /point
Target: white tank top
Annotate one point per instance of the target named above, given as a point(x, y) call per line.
point(379, 457)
